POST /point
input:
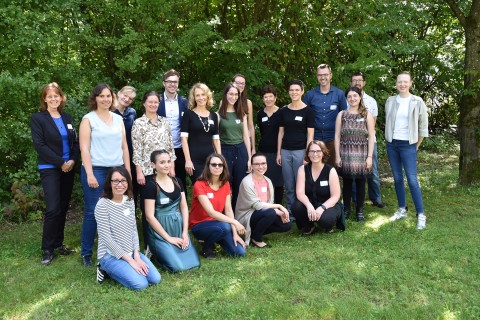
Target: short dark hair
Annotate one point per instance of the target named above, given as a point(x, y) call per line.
point(149, 94)
point(296, 82)
point(107, 186)
point(358, 74)
point(269, 88)
point(43, 94)
point(92, 102)
point(207, 175)
point(256, 155)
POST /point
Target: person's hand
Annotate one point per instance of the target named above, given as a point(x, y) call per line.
point(189, 167)
point(279, 159)
point(92, 181)
point(311, 213)
point(369, 162)
point(240, 228)
point(68, 166)
point(172, 170)
point(249, 166)
point(186, 241)
point(238, 240)
point(178, 242)
point(283, 214)
point(338, 162)
point(140, 178)
point(318, 213)
point(139, 266)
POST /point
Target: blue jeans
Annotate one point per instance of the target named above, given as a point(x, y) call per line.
point(90, 199)
point(291, 161)
point(402, 154)
point(122, 272)
point(218, 232)
point(373, 181)
point(237, 157)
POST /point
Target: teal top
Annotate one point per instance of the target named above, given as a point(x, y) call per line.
point(231, 129)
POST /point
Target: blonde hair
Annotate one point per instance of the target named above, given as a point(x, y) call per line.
point(191, 96)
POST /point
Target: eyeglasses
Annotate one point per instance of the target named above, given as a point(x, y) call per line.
point(52, 97)
point(261, 164)
point(216, 165)
point(171, 82)
point(239, 83)
point(323, 75)
point(315, 151)
point(357, 81)
point(117, 182)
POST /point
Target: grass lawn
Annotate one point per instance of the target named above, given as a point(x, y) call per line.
point(375, 270)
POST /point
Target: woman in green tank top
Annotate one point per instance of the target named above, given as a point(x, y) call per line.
point(234, 137)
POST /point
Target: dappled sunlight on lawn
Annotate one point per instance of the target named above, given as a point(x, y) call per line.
point(41, 304)
point(377, 222)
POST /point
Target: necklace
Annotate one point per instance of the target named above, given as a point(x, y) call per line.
point(207, 128)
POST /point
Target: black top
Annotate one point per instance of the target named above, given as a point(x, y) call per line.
point(317, 191)
point(47, 139)
point(268, 131)
point(199, 140)
point(295, 124)
point(151, 189)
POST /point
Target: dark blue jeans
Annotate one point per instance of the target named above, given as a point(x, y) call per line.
point(237, 157)
point(402, 154)
point(90, 199)
point(57, 189)
point(218, 232)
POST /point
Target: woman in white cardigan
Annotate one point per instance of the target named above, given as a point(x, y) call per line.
point(255, 208)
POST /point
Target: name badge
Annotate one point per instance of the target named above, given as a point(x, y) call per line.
point(210, 195)
point(333, 107)
point(164, 200)
point(182, 113)
point(298, 118)
point(126, 212)
point(210, 121)
point(69, 126)
point(264, 119)
point(361, 120)
point(324, 183)
point(237, 121)
point(263, 189)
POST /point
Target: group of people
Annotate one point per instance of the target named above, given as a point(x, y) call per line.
point(303, 149)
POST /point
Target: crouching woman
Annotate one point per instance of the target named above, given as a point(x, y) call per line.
point(118, 246)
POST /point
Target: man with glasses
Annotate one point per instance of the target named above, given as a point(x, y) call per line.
point(326, 101)
point(358, 80)
point(172, 106)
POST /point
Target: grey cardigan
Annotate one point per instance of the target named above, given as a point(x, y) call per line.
point(417, 118)
point(248, 202)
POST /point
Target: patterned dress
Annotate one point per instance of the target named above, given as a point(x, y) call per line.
point(354, 145)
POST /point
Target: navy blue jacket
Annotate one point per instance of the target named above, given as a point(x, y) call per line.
point(48, 141)
point(182, 106)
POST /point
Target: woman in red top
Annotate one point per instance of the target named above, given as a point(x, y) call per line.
point(211, 217)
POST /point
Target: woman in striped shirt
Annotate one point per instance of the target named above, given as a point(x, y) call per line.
point(118, 246)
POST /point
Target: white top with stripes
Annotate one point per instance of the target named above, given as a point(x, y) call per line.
point(117, 227)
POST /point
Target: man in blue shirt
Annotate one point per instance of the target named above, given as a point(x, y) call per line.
point(326, 101)
point(172, 106)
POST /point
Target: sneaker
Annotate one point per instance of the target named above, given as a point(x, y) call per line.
point(400, 214)
point(148, 253)
point(101, 274)
point(360, 217)
point(421, 222)
point(87, 261)
point(64, 251)
point(209, 254)
point(47, 257)
point(379, 204)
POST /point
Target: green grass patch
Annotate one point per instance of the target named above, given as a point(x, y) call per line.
point(375, 270)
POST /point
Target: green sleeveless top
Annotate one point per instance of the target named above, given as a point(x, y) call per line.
point(231, 129)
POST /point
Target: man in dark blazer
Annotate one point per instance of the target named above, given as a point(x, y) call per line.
point(172, 106)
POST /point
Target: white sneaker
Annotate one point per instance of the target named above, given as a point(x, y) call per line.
point(148, 253)
point(421, 222)
point(400, 214)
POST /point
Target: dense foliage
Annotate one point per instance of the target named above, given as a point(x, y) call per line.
point(79, 43)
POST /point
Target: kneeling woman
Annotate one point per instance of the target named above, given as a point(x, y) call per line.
point(167, 216)
point(211, 216)
point(318, 192)
point(118, 246)
point(255, 208)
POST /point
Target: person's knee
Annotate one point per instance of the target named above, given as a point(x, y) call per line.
point(139, 284)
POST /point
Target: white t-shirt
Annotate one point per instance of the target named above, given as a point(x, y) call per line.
point(400, 130)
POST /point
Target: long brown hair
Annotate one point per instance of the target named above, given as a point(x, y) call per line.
point(43, 94)
point(361, 107)
point(92, 102)
point(222, 110)
point(243, 95)
point(207, 175)
point(153, 159)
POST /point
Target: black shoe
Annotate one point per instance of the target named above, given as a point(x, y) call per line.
point(209, 254)
point(101, 274)
point(87, 261)
point(379, 204)
point(309, 231)
point(346, 213)
point(360, 217)
point(47, 257)
point(64, 251)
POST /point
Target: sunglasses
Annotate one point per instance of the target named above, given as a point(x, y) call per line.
point(216, 165)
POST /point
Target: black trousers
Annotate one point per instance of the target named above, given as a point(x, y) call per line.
point(327, 221)
point(266, 221)
point(180, 172)
point(360, 193)
point(57, 189)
